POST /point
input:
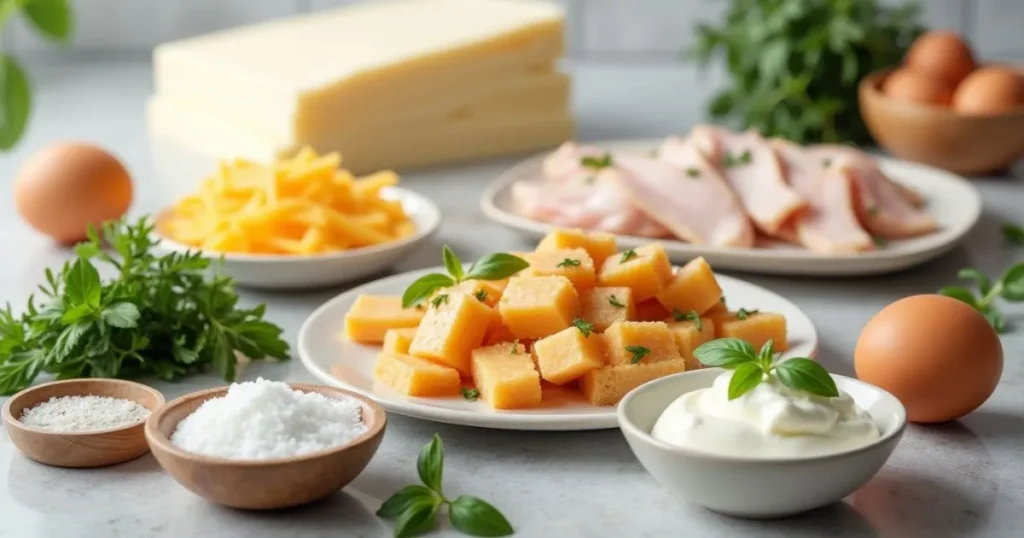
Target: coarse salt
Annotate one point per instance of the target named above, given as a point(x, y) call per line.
point(74, 414)
point(263, 419)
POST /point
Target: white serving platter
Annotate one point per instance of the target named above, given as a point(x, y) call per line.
point(335, 360)
point(950, 199)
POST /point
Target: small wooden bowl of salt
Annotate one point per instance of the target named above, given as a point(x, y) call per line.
point(81, 422)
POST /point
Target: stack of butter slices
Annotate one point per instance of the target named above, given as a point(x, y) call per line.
point(389, 84)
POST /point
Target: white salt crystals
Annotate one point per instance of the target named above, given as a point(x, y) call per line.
point(263, 420)
point(77, 414)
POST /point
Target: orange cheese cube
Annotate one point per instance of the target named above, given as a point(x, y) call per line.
point(694, 287)
point(599, 245)
point(607, 385)
point(537, 306)
point(640, 342)
point(451, 329)
point(398, 340)
point(650, 310)
point(574, 264)
point(568, 354)
point(498, 333)
point(603, 306)
point(372, 315)
point(754, 327)
point(416, 377)
point(506, 377)
point(645, 270)
point(689, 336)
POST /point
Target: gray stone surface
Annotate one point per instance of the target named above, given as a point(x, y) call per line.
point(961, 479)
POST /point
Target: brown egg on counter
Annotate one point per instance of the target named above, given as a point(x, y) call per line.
point(937, 355)
point(943, 55)
point(62, 189)
point(989, 90)
point(910, 85)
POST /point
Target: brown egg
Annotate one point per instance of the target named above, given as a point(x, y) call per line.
point(63, 188)
point(913, 86)
point(941, 54)
point(939, 356)
point(989, 90)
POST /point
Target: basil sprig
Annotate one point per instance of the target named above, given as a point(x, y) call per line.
point(491, 267)
point(1009, 287)
point(751, 367)
point(414, 508)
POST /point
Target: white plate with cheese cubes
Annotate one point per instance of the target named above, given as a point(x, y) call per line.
point(334, 359)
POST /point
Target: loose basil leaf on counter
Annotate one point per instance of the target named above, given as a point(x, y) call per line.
point(725, 353)
point(430, 464)
point(418, 518)
point(15, 100)
point(404, 499)
point(51, 17)
point(1013, 283)
point(452, 263)
point(806, 375)
point(744, 378)
point(1014, 233)
point(424, 287)
point(496, 266)
point(476, 517)
point(996, 320)
point(960, 293)
point(976, 276)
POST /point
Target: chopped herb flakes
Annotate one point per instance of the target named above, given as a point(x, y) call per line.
point(439, 300)
point(597, 163)
point(639, 352)
point(743, 313)
point(568, 262)
point(470, 394)
point(615, 302)
point(692, 172)
point(628, 255)
point(583, 326)
point(481, 295)
point(692, 315)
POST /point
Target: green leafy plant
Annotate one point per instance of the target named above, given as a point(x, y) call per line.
point(414, 508)
point(160, 316)
point(51, 18)
point(491, 267)
point(751, 367)
point(794, 66)
point(1009, 286)
point(1013, 233)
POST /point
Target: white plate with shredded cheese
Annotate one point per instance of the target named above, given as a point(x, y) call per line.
point(334, 359)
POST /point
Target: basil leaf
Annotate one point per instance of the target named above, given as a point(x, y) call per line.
point(976, 276)
point(51, 17)
point(123, 315)
point(82, 284)
point(1013, 283)
point(476, 517)
point(960, 293)
point(744, 378)
point(430, 464)
point(452, 263)
point(424, 287)
point(15, 101)
point(1013, 233)
point(496, 267)
point(403, 499)
point(996, 320)
point(725, 353)
point(767, 354)
point(418, 518)
point(807, 375)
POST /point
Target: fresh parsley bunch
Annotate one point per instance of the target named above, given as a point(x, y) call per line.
point(795, 66)
point(415, 507)
point(491, 267)
point(1009, 286)
point(159, 316)
point(751, 367)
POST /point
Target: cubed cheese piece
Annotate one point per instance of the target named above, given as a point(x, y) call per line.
point(689, 336)
point(451, 329)
point(754, 327)
point(645, 270)
point(568, 354)
point(574, 264)
point(607, 385)
point(599, 245)
point(650, 310)
point(416, 377)
point(693, 287)
point(603, 306)
point(506, 377)
point(537, 306)
point(649, 341)
point(498, 333)
point(398, 340)
point(372, 315)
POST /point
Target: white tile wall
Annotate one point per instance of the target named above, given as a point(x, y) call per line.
point(598, 29)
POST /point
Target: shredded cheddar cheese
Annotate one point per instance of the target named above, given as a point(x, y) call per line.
point(303, 205)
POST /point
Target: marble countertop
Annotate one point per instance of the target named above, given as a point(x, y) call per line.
point(959, 479)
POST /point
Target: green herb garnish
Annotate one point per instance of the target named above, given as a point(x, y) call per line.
point(415, 507)
point(871, 210)
point(628, 255)
point(480, 294)
point(879, 242)
point(743, 313)
point(692, 315)
point(693, 172)
point(751, 367)
point(568, 262)
point(158, 316)
point(1013, 233)
point(584, 327)
point(491, 267)
point(470, 393)
point(1010, 287)
point(439, 300)
point(597, 163)
point(729, 160)
point(639, 352)
point(615, 302)
point(515, 347)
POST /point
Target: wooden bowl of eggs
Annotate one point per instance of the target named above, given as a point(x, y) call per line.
point(941, 108)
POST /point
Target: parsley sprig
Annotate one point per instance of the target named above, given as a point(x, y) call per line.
point(1009, 287)
point(415, 507)
point(491, 267)
point(598, 162)
point(751, 367)
point(158, 316)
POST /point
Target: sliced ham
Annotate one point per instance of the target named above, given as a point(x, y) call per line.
point(830, 224)
point(915, 198)
point(750, 166)
point(565, 160)
point(684, 193)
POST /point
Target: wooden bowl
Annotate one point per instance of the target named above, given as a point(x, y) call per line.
point(960, 143)
point(263, 484)
point(84, 449)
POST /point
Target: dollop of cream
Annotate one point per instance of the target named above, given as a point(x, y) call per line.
point(770, 421)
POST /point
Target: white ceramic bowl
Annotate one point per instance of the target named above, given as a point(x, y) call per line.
point(755, 487)
point(320, 270)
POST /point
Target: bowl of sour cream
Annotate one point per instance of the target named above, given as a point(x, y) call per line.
point(772, 452)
